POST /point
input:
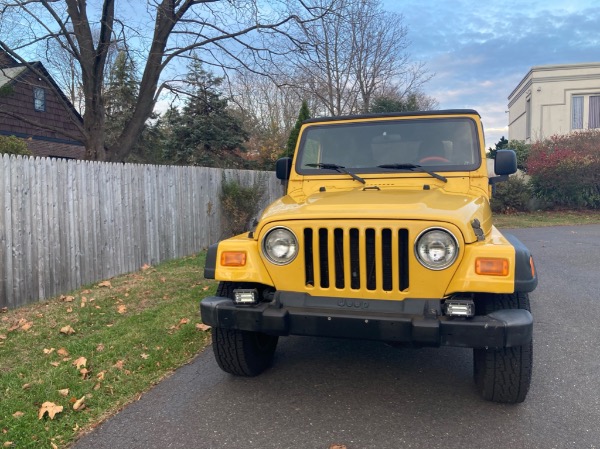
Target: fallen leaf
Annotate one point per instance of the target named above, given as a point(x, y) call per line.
point(70, 309)
point(78, 403)
point(100, 375)
point(54, 446)
point(3, 337)
point(105, 284)
point(202, 327)
point(67, 330)
point(26, 386)
point(122, 309)
point(8, 444)
point(337, 446)
point(18, 414)
point(4, 310)
point(100, 347)
point(205, 288)
point(84, 372)
point(48, 351)
point(83, 301)
point(51, 408)
point(86, 292)
point(119, 364)
point(144, 356)
point(145, 267)
point(64, 392)
point(184, 321)
point(163, 280)
point(27, 326)
point(80, 362)
point(67, 298)
point(62, 352)
point(55, 363)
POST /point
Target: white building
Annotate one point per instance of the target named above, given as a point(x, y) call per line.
point(555, 99)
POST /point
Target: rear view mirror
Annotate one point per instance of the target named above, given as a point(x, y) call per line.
point(505, 163)
point(283, 167)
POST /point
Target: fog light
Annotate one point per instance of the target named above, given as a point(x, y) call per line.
point(462, 307)
point(245, 296)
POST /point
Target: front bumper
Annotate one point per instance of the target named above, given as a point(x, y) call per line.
point(416, 321)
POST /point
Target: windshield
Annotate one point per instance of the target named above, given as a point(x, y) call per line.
point(446, 144)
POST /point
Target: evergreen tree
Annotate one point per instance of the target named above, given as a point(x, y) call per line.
point(500, 145)
point(304, 114)
point(120, 96)
point(205, 132)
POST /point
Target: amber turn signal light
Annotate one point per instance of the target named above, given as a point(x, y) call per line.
point(491, 266)
point(233, 258)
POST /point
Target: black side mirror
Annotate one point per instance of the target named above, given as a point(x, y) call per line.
point(283, 167)
point(505, 163)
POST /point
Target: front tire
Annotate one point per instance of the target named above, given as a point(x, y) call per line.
point(503, 375)
point(241, 353)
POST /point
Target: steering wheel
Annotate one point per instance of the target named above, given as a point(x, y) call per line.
point(434, 159)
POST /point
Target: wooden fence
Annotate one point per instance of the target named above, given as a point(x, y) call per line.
point(65, 223)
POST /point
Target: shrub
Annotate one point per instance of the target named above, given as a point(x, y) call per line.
point(13, 145)
point(240, 204)
point(510, 196)
point(565, 170)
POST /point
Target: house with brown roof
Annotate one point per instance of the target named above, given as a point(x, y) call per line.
point(33, 108)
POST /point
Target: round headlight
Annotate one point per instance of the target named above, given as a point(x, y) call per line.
point(436, 249)
point(280, 246)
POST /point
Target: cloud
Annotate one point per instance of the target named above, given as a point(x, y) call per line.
point(479, 54)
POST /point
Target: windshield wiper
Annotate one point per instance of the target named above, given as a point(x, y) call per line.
point(338, 168)
point(414, 167)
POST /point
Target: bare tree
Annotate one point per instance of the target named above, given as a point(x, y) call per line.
point(227, 33)
point(355, 54)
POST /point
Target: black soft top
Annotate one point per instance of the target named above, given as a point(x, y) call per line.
point(393, 114)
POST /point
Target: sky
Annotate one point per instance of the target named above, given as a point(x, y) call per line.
point(479, 51)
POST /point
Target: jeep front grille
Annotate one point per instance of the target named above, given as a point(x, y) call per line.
point(355, 258)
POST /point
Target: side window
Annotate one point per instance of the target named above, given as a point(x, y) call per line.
point(39, 99)
point(594, 113)
point(577, 112)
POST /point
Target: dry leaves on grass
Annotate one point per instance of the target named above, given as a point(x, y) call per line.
point(119, 364)
point(48, 351)
point(182, 322)
point(78, 404)
point(64, 392)
point(51, 408)
point(67, 330)
point(67, 298)
point(63, 352)
point(22, 324)
point(105, 284)
point(80, 362)
point(202, 327)
point(122, 309)
point(18, 414)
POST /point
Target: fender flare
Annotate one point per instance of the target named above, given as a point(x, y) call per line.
point(525, 274)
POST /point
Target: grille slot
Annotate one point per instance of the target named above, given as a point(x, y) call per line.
point(355, 258)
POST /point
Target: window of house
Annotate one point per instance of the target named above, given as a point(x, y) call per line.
point(39, 99)
point(577, 112)
point(594, 112)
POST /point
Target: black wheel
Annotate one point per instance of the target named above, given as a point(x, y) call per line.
point(242, 353)
point(503, 375)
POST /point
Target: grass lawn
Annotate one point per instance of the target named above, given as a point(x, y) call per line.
point(93, 351)
point(79, 358)
point(547, 218)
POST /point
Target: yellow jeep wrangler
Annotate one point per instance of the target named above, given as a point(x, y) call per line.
point(386, 234)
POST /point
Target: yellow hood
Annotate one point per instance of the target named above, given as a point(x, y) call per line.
point(435, 205)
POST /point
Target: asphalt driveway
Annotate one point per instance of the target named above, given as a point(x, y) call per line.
point(370, 395)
